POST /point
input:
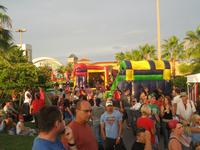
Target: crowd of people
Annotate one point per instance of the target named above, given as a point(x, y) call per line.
point(86, 119)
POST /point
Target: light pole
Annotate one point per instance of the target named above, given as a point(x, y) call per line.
point(158, 28)
point(20, 35)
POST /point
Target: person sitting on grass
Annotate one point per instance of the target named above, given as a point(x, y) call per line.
point(10, 126)
point(22, 130)
point(2, 124)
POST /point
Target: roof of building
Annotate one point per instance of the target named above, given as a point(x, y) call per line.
point(72, 56)
point(41, 59)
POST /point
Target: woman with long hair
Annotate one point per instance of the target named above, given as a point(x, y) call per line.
point(166, 116)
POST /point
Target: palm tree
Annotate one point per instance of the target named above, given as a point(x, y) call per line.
point(119, 56)
point(5, 25)
point(172, 50)
point(147, 51)
point(192, 41)
point(136, 55)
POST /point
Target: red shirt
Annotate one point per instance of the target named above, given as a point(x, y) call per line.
point(117, 95)
point(148, 124)
point(159, 104)
point(37, 104)
point(84, 137)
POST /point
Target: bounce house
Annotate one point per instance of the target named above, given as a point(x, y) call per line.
point(139, 74)
point(90, 75)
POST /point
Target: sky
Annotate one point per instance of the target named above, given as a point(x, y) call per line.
point(97, 29)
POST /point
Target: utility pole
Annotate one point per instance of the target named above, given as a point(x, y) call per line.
point(20, 35)
point(158, 28)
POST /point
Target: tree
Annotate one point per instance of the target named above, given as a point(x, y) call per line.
point(16, 71)
point(119, 56)
point(192, 41)
point(172, 50)
point(192, 53)
point(62, 69)
point(136, 55)
point(44, 76)
point(147, 51)
point(5, 25)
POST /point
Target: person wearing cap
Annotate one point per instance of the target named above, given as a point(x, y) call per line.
point(177, 140)
point(111, 126)
point(185, 108)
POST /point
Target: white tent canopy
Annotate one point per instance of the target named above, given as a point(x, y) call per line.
point(194, 78)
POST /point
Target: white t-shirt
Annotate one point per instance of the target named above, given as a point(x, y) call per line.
point(19, 127)
point(185, 113)
point(26, 98)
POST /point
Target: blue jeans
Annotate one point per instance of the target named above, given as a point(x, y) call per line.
point(97, 132)
point(165, 132)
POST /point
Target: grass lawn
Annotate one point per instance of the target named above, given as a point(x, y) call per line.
point(16, 142)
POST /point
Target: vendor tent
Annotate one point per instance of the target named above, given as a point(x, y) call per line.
point(193, 82)
point(195, 78)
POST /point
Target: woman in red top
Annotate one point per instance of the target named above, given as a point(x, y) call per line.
point(145, 122)
point(36, 105)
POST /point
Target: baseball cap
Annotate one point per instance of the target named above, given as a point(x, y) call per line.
point(109, 103)
point(172, 124)
point(183, 94)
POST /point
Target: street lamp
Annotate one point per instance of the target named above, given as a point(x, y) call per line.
point(158, 28)
point(20, 35)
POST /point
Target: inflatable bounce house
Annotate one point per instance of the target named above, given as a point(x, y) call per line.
point(139, 74)
point(90, 75)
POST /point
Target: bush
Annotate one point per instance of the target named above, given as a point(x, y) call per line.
point(180, 82)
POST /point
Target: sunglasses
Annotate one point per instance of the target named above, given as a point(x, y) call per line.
point(86, 110)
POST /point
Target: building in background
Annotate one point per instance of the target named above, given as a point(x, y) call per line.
point(47, 61)
point(27, 50)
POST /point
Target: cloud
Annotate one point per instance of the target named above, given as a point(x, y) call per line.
point(135, 32)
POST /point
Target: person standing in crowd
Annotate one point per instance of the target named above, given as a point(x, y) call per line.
point(134, 112)
point(143, 140)
point(144, 98)
point(97, 111)
point(51, 125)
point(68, 115)
point(177, 141)
point(126, 106)
point(83, 135)
point(155, 116)
point(185, 109)
point(36, 105)
point(27, 103)
point(176, 99)
point(111, 127)
point(166, 115)
point(145, 122)
point(146, 91)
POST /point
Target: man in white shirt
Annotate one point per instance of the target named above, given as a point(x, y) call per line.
point(176, 99)
point(27, 102)
point(185, 108)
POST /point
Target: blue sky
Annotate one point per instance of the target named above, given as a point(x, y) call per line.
point(97, 29)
